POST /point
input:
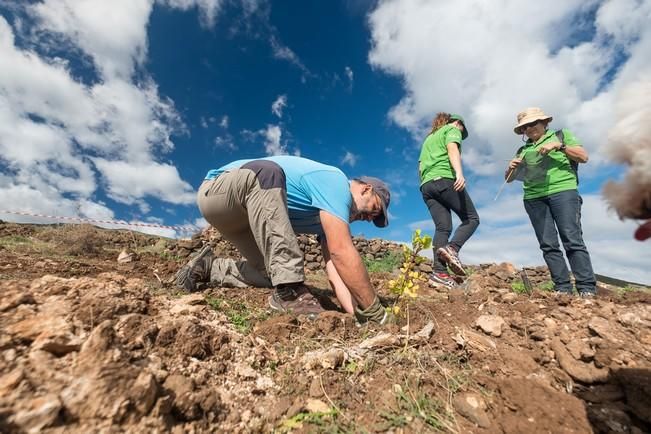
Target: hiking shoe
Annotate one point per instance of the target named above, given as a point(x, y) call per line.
point(442, 279)
point(295, 299)
point(197, 270)
point(450, 257)
point(587, 294)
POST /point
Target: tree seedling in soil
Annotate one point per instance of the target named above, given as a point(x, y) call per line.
point(407, 282)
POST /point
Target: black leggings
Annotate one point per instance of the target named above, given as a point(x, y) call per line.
point(440, 198)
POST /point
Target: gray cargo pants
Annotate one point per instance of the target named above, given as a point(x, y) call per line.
point(248, 206)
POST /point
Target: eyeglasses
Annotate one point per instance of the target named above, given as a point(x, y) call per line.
point(530, 124)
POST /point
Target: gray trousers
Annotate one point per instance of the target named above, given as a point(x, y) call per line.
point(248, 206)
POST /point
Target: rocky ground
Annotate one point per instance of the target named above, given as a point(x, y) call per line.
point(90, 344)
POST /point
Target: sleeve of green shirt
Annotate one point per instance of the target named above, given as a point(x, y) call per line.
point(453, 135)
point(570, 139)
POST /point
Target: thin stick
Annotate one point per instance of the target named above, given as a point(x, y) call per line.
point(330, 400)
point(500, 190)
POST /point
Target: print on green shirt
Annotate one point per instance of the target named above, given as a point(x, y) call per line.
point(543, 175)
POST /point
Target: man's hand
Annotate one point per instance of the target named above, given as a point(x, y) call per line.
point(549, 147)
point(460, 182)
point(375, 312)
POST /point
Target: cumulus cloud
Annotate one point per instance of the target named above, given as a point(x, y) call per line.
point(505, 62)
point(62, 139)
point(224, 122)
point(278, 105)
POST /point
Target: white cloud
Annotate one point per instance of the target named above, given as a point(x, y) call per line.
point(224, 122)
point(225, 142)
point(350, 75)
point(350, 159)
point(505, 62)
point(92, 25)
point(208, 9)
point(283, 52)
point(278, 105)
point(272, 144)
point(53, 126)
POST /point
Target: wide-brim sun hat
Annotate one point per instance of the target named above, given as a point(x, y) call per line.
point(529, 115)
point(456, 117)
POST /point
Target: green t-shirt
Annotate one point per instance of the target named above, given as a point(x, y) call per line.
point(434, 161)
point(544, 175)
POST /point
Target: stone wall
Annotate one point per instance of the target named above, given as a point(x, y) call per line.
point(371, 249)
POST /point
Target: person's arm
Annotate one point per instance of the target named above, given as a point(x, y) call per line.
point(338, 286)
point(513, 165)
point(455, 161)
point(574, 152)
point(346, 259)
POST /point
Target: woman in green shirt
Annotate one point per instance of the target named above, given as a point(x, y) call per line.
point(444, 190)
point(547, 165)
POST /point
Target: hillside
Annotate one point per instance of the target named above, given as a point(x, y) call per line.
point(90, 344)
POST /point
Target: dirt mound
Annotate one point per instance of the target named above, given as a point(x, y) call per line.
point(87, 345)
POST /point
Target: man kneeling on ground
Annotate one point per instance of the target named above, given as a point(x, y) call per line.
point(259, 206)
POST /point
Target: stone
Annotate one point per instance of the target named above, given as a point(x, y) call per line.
point(125, 257)
point(491, 324)
point(472, 407)
point(323, 359)
point(584, 372)
point(11, 380)
point(39, 413)
point(601, 327)
point(316, 406)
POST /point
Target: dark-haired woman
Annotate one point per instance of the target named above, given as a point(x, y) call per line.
point(444, 191)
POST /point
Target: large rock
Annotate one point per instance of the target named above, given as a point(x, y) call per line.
point(491, 324)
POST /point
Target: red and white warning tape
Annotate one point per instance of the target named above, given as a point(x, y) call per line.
point(185, 228)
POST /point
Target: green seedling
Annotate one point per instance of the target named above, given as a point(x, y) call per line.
point(407, 282)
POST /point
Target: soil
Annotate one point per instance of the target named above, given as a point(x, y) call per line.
point(88, 344)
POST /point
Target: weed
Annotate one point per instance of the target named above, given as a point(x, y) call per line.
point(386, 264)
point(326, 421)
point(518, 286)
point(546, 286)
point(237, 313)
point(413, 405)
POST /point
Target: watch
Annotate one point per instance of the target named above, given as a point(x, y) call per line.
point(562, 148)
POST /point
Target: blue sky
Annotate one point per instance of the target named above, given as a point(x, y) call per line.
point(116, 110)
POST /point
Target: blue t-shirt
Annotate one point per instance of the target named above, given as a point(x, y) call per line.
point(311, 187)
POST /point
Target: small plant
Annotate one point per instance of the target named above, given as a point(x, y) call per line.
point(407, 281)
point(386, 264)
point(317, 418)
point(413, 405)
point(546, 286)
point(518, 286)
point(237, 313)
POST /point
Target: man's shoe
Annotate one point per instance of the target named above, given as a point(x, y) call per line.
point(587, 294)
point(442, 280)
point(197, 270)
point(449, 256)
point(295, 299)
